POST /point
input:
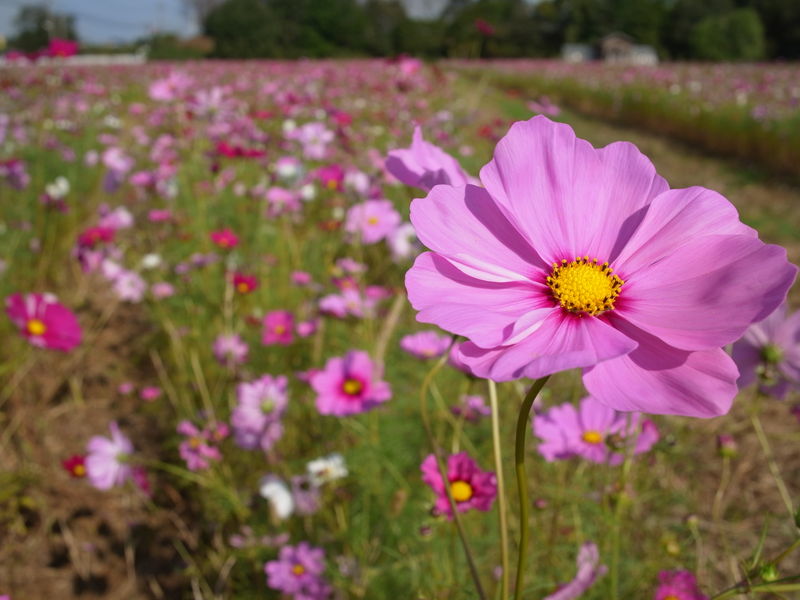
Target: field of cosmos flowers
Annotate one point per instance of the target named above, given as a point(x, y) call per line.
point(381, 329)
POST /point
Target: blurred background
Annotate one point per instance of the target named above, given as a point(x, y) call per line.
point(625, 31)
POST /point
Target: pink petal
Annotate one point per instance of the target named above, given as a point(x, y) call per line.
point(705, 294)
point(658, 379)
point(674, 218)
point(570, 198)
point(562, 342)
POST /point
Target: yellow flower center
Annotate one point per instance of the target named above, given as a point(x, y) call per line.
point(279, 329)
point(461, 491)
point(352, 387)
point(243, 287)
point(298, 570)
point(79, 470)
point(672, 597)
point(583, 286)
point(332, 184)
point(592, 437)
point(372, 220)
point(36, 327)
point(195, 442)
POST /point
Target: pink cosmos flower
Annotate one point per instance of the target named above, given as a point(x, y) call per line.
point(425, 344)
point(469, 486)
point(299, 572)
point(244, 284)
point(278, 328)
point(256, 420)
point(574, 257)
point(471, 408)
point(150, 393)
point(199, 449)
point(330, 176)
point(350, 385)
point(43, 321)
point(593, 431)
point(769, 352)
point(678, 585)
point(224, 238)
point(106, 459)
point(230, 349)
point(162, 289)
point(373, 220)
point(589, 571)
point(424, 165)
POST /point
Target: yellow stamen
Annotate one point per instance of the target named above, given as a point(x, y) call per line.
point(352, 387)
point(279, 329)
point(461, 491)
point(36, 327)
point(298, 570)
point(243, 287)
point(583, 286)
point(195, 442)
point(372, 220)
point(671, 597)
point(79, 470)
point(592, 437)
point(332, 184)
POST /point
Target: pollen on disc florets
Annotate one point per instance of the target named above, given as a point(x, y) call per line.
point(584, 286)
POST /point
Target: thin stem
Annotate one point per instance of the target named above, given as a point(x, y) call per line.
point(522, 481)
point(501, 490)
point(773, 465)
point(787, 584)
point(423, 404)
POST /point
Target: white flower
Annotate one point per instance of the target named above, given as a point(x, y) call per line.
point(308, 192)
point(328, 468)
point(151, 261)
point(58, 189)
point(277, 492)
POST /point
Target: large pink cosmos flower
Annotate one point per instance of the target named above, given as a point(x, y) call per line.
point(106, 459)
point(576, 257)
point(350, 385)
point(43, 321)
point(469, 486)
point(373, 220)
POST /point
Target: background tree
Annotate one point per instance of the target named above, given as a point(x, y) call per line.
point(35, 25)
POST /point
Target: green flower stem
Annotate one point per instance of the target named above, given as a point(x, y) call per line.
point(771, 462)
point(522, 481)
point(787, 584)
point(423, 404)
point(501, 492)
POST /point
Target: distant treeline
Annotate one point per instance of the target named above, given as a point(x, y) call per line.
point(677, 29)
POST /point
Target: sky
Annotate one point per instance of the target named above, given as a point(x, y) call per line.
point(104, 21)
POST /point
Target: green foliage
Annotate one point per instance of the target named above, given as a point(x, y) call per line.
point(736, 35)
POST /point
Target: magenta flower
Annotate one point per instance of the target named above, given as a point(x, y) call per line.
point(373, 220)
point(350, 385)
point(299, 572)
point(230, 349)
point(593, 431)
point(244, 284)
point(425, 344)
point(224, 238)
point(43, 321)
point(469, 486)
point(574, 257)
point(278, 328)
point(106, 459)
point(256, 420)
point(678, 585)
point(424, 165)
point(769, 352)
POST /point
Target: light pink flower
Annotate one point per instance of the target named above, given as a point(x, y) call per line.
point(589, 571)
point(425, 344)
point(373, 220)
point(469, 486)
point(350, 385)
point(256, 420)
point(593, 431)
point(106, 459)
point(230, 349)
point(574, 257)
point(43, 321)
